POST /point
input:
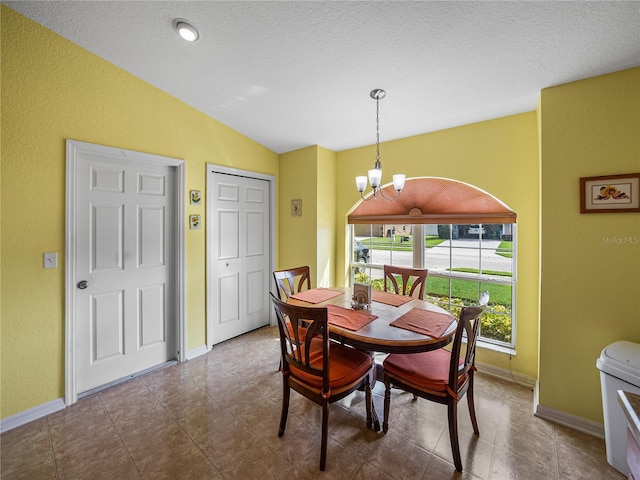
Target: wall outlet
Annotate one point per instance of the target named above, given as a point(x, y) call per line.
point(50, 260)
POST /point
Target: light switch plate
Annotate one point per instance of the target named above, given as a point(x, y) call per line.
point(50, 260)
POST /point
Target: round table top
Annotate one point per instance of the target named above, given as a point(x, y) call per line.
point(379, 335)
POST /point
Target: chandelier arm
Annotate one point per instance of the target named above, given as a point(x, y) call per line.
point(370, 197)
point(390, 199)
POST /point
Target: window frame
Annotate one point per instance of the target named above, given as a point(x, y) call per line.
point(419, 261)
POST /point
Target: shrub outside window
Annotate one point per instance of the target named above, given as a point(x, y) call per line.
point(463, 261)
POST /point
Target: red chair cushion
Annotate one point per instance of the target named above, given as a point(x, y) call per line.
point(302, 332)
point(429, 370)
point(346, 365)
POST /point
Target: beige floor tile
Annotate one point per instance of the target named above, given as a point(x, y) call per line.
point(26, 453)
point(369, 471)
point(398, 457)
point(341, 462)
point(476, 454)
point(422, 429)
point(528, 442)
point(507, 466)
point(217, 417)
point(438, 469)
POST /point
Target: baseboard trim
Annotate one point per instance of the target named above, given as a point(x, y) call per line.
point(201, 350)
point(574, 422)
point(580, 424)
point(520, 379)
point(35, 413)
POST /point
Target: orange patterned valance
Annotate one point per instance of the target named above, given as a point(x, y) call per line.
point(433, 200)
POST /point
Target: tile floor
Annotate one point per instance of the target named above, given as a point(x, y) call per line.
point(216, 417)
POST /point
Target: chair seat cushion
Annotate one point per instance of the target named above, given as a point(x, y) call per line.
point(346, 365)
point(428, 370)
point(302, 331)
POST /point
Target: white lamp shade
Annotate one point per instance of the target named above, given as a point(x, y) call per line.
point(375, 175)
point(361, 183)
point(398, 181)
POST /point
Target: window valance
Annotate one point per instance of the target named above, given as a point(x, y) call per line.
point(428, 200)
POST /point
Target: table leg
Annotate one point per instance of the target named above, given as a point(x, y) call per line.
point(372, 380)
point(374, 417)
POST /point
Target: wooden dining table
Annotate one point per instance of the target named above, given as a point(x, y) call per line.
point(379, 335)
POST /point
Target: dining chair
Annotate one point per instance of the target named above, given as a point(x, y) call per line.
point(441, 375)
point(413, 280)
point(292, 280)
point(320, 370)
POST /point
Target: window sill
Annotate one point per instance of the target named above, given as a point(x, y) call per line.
point(496, 348)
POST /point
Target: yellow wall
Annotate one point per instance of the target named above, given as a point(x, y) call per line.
point(499, 156)
point(298, 239)
point(53, 90)
point(308, 174)
point(326, 228)
point(590, 284)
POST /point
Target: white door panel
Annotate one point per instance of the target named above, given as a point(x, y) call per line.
point(151, 301)
point(228, 233)
point(238, 233)
point(126, 318)
point(107, 324)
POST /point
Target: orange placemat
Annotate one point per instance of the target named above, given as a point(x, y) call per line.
point(425, 322)
point(390, 298)
point(317, 295)
point(349, 319)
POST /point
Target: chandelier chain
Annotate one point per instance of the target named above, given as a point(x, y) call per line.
point(377, 130)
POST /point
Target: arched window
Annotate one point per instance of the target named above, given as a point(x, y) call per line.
point(462, 234)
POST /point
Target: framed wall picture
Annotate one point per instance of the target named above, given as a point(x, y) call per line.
point(610, 193)
point(361, 295)
point(196, 197)
point(194, 222)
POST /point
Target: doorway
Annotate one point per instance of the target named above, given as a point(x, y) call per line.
point(124, 264)
point(240, 228)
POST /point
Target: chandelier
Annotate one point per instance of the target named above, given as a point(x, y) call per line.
point(375, 174)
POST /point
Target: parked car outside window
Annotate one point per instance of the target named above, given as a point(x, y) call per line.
point(476, 230)
point(361, 253)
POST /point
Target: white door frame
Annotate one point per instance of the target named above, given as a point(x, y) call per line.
point(211, 168)
point(73, 147)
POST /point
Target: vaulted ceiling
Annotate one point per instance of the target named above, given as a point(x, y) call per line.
point(289, 74)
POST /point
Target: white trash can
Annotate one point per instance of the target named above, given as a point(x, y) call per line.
point(619, 366)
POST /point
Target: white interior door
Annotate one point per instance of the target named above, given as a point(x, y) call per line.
point(125, 264)
point(238, 252)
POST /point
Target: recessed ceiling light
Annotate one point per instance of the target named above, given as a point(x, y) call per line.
point(186, 31)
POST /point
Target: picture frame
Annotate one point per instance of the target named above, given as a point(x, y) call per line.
point(196, 197)
point(296, 207)
point(194, 222)
point(610, 193)
point(361, 296)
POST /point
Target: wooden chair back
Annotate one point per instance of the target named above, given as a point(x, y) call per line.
point(299, 327)
point(468, 327)
point(413, 280)
point(292, 280)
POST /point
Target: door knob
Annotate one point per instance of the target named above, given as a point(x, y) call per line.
point(82, 284)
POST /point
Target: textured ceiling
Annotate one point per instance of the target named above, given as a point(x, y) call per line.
point(293, 74)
